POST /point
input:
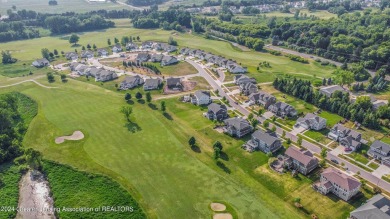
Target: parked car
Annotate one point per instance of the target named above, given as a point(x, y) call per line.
point(334, 161)
point(347, 149)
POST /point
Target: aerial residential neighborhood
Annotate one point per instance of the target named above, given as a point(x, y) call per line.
point(195, 109)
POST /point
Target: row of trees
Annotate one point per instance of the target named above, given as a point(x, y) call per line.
point(169, 19)
point(339, 103)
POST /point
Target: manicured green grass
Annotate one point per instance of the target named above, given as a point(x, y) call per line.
point(323, 14)
point(373, 165)
point(154, 163)
point(331, 118)
point(179, 69)
point(386, 178)
point(358, 157)
point(9, 190)
point(75, 189)
point(351, 160)
point(319, 136)
point(21, 69)
point(63, 6)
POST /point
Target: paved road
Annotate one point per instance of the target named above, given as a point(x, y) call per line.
point(308, 56)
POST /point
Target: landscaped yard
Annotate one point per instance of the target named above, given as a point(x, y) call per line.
point(319, 136)
point(358, 157)
point(373, 165)
point(179, 69)
point(331, 118)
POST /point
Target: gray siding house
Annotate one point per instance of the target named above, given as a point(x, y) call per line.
point(131, 82)
point(283, 109)
point(237, 127)
point(216, 112)
point(262, 98)
point(380, 151)
point(39, 63)
point(248, 88)
point(311, 121)
point(201, 98)
point(329, 90)
point(345, 136)
point(263, 141)
point(378, 207)
point(152, 84)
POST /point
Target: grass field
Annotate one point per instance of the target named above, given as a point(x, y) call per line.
point(28, 50)
point(63, 6)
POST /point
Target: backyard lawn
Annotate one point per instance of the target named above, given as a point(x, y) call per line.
point(179, 69)
point(331, 118)
point(319, 136)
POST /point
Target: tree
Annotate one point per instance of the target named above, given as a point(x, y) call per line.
point(138, 39)
point(138, 95)
point(217, 153)
point(74, 39)
point(116, 40)
point(83, 48)
point(288, 141)
point(127, 110)
point(254, 122)
point(260, 112)
point(344, 77)
point(63, 77)
point(7, 57)
point(50, 77)
point(250, 116)
point(283, 133)
point(273, 129)
point(127, 97)
point(192, 141)
point(218, 145)
point(94, 47)
point(33, 159)
point(323, 153)
point(269, 154)
point(55, 52)
point(109, 42)
point(297, 200)
point(299, 142)
point(322, 163)
point(266, 124)
point(171, 41)
point(45, 53)
point(125, 40)
point(162, 106)
point(148, 97)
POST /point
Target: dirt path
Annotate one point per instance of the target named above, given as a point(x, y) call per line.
point(30, 80)
point(34, 198)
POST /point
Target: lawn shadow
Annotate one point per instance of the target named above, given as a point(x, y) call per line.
point(152, 106)
point(195, 148)
point(141, 101)
point(65, 81)
point(223, 167)
point(169, 117)
point(133, 127)
point(76, 45)
point(52, 81)
point(224, 156)
point(130, 102)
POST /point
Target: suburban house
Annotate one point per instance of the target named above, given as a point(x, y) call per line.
point(345, 136)
point(73, 65)
point(262, 98)
point(311, 121)
point(168, 60)
point(81, 69)
point(300, 160)
point(242, 79)
point(102, 52)
point(378, 207)
point(39, 63)
point(152, 84)
point(216, 112)
point(263, 141)
point(117, 48)
point(71, 56)
point(236, 69)
point(105, 75)
point(283, 109)
point(142, 57)
point(174, 84)
point(237, 127)
point(329, 90)
point(201, 97)
point(380, 151)
point(131, 46)
point(248, 88)
point(340, 184)
point(147, 45)
point(87, 54)
point(165, 47)
point(156, 57)
point(93, 71)
point(131, 82)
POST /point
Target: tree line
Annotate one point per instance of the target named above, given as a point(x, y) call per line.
point(339, 103)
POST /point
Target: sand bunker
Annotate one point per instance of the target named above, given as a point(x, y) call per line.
point(223, 216)
point(217, 207)
point(77, 135)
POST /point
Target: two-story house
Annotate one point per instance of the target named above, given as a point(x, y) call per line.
point(102, 52)
point(248, 88)
point(263, 141)
point(262, 98)
point(282, 109)
point(242, 79)
point(329, 90)
point(87, 54)
point(340, 184)
point(216, 112)
point(117, 48)
point(237, 127)
point(105, 75)
point(142, 57)
point(378, 207)
point(174, 84)
point(311, 121)
point(130, 82)
point(152, 83)
point(201, 97)
point(39, 63)
point(300, 159)
point(131, 46)
point(347, 137)
point(380, 151)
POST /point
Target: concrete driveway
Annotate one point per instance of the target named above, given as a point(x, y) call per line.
point(297, 130)
point(382, 170)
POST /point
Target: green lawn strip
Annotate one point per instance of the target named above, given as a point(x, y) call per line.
point(309, 140)
point(355, 163)
point(75, 189)
point(358, 157)
point(9, 189)
point(386, 178)
point(319, 136)
point(373, 165)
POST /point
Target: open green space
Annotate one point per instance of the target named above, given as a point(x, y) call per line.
point(331, 118)
point(75, 189)
point(63, 6)
point(21, 69)
point(319, 136)
point(179, 69)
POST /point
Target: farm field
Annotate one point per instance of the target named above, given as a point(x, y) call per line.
point(63, 6)
point(280, 66)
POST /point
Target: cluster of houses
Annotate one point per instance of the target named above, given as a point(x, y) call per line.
point(172, 83)
point(100, 74)
point(163, 59)
point(150, 45)
point(228, 64)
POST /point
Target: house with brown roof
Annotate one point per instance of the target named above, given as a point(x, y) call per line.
point(300, 160)
point(340, 184)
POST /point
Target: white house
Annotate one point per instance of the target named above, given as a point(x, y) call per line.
point(201, 98)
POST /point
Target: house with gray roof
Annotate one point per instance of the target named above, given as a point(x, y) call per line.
point(168, 60)
point(334, 181)
point(93, 71)
point(248, 88)
point(87, 54)
point(81, 69)
point(262, 98)
point(263, 141)
point(380, 151)
point(131, 46)
point(283, 109)
point(329, 90)
point(40, 63)
point(147, 45)
point(71, 56)
point(378, 207)
point(216, 112)
point(311, 121)
point(237, 127)
point(102, 52)
point(201, 97)
point(152, 84)
point(243, 79)
point(156, 57)
point(346, 137)
point(174, 83)
point(131, 82)
point(236, 69)
point(142, 57)
point(184, 51)
point(117, 48)
point(300, 160)
point(105, 75)
point(73, 65)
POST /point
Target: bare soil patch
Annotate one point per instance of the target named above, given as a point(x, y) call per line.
point(77, 135)
point(217, 206)
point(223, 216)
